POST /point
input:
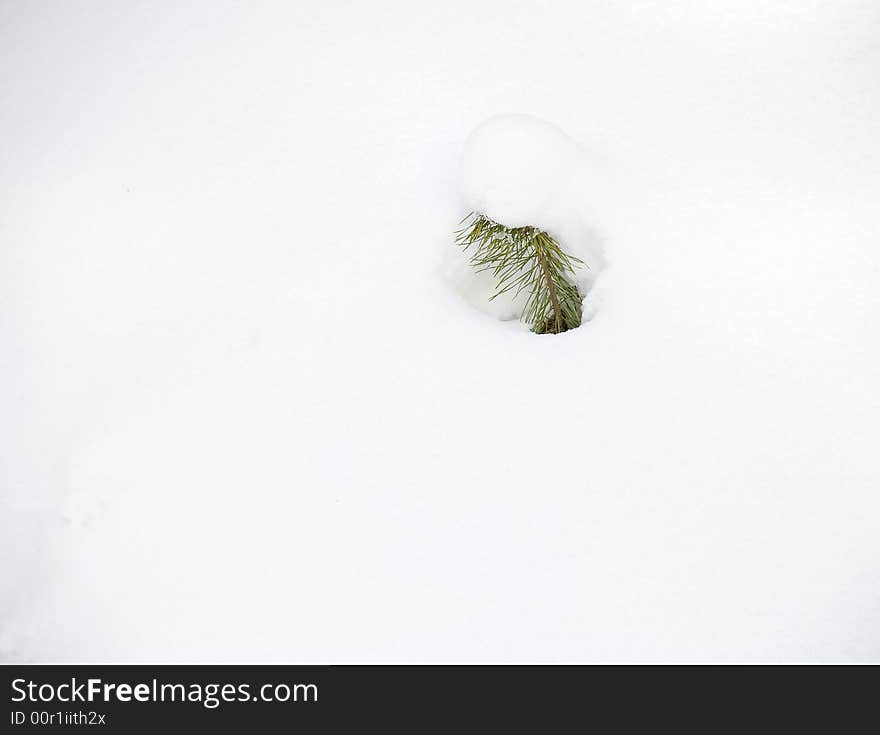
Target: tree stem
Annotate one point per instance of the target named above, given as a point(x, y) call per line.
point(554, 299)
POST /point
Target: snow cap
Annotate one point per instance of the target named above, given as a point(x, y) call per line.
point(518, 170)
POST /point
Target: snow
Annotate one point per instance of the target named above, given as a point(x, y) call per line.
point(245, 416)
point(518, 170)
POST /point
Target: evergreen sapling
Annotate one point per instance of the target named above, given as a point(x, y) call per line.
point(526, 259)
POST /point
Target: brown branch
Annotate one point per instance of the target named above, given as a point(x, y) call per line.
point(554, 299)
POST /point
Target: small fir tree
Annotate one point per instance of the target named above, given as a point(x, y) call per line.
point(526, 259)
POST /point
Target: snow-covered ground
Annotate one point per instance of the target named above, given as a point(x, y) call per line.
point(246, 416)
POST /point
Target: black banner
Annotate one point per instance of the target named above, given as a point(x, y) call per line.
point(164, 698)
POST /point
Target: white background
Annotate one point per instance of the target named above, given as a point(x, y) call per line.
point(245, 416)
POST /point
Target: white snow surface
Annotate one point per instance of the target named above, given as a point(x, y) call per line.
point(244, 416)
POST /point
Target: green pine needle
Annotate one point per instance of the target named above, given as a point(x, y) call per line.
point(526, 259)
